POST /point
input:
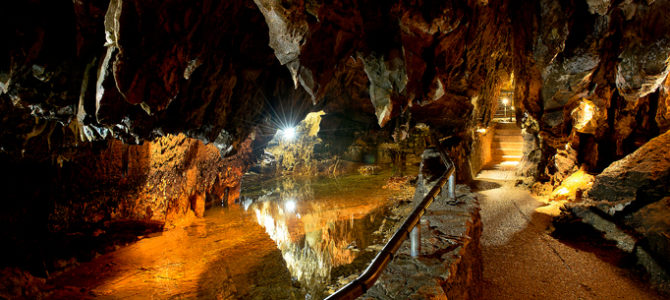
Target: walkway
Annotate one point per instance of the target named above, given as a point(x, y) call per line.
point(522, 261)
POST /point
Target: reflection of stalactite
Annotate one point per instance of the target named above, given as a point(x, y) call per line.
point(224, 200)
point(309, 260)
point(315, 235)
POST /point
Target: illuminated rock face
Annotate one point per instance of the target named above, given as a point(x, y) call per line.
point(135, 70)
point(641, 177)
point(154, 183)
point(628, 202)
point(614, 56)
point(75, 74)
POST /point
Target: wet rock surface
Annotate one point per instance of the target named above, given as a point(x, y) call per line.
point(449, 265)
point(82, 80)
point(628, 203)
point(108, 196)
point(639, 178)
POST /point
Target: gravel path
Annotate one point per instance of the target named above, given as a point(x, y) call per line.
point(522, 261)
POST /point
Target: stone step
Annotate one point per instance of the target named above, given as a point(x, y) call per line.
point(507, 144)
point(506, 157)
point(506, 147)
point(507, 126)
point(507, 150)
point(508, 132)
point(508, 138)
point(506, 153)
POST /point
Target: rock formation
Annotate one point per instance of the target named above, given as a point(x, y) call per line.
point(81, 81)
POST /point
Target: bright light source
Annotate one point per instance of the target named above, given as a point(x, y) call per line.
point(288, 134)
point(481, 130)
point(588, 112)
point(505, 101)
point(289, 205)
point(583, 115)
point(562, 191)
point(573, 186)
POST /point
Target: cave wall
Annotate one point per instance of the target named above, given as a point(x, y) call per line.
point(481, 153)
point(612, 55)
point(135, 70)
point(154, 183)
point(77, 77)
point(110, 102)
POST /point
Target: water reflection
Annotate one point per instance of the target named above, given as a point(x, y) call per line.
point(317, 225)
point(308, 230)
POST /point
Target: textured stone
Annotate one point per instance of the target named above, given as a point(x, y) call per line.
point(77, 74)
point(642, 69)
point(642, 234)
point(662, 117)
point(599, 6)
point(449, 266)
point(384, 81)
point(652, 223)
point(567, 78)
point(642, 176)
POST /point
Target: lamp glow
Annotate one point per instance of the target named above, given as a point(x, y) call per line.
point(505, 101)
point(289, 134)
point(289, 205)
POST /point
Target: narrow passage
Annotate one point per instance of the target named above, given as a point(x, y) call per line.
point(523, 261)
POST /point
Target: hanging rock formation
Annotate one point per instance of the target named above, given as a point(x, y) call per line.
point(80, 81)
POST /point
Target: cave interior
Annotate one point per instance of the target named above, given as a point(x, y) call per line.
point(130, 127)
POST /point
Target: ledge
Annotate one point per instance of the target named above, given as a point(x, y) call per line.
point(450, 264)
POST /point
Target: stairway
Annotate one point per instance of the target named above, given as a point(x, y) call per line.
point(507, 143)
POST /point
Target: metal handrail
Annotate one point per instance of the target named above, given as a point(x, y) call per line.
point(367, 279)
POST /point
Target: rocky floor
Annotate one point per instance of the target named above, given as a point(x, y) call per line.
point(523, 261)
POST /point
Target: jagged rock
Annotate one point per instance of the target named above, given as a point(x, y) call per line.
point(553, 32)
point(385, 80)
point(599, 6)
point(644, 60)
point(531, 160)
point(16, 283)
point(566, 79)
point(288, 33)
point(369, 170)
point(640, 177)
point(642, 69)
point(662, 117)
point(77, 74)
point(651, 222)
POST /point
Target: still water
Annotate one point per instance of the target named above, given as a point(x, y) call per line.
point(288, 238)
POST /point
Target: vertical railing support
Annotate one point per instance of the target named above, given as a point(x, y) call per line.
point(452, 186)
point(411, 225)
point(415, 238)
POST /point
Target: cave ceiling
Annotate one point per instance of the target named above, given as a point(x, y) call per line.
point(73, 71)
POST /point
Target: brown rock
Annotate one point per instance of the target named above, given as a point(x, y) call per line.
point(198, 204)
point(639, 178)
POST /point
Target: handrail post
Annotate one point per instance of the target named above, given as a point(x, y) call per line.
point(415, 238)
point(411, 227)
point(452, 186)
